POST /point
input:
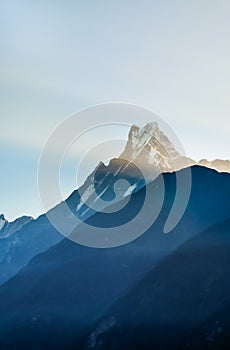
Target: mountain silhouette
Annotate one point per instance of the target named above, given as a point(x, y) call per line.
point(59, 297)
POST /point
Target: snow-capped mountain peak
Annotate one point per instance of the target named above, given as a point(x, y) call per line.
point(140, 137)
point(150, 147)
point(148, 152)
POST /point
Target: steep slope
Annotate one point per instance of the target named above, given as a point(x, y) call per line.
point(62, 292)
point(183, 291)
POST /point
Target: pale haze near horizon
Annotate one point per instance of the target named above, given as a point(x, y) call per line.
point(56, 58)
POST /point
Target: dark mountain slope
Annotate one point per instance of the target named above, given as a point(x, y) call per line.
point(213, 334)
point(183, 291)
point(63, 291)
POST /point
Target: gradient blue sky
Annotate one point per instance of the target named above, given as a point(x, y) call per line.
point(59, 56)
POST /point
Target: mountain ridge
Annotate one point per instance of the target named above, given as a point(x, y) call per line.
point(77, 284)
point(148, 147)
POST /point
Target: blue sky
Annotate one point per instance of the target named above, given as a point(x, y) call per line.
point(60, 56)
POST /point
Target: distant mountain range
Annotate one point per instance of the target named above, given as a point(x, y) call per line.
point(164, 291)
point(217, 164)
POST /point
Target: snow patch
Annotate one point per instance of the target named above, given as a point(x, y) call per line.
point(130, 190)
point(85, 196)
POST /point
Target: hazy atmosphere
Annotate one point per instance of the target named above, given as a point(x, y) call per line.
point(58, 57)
